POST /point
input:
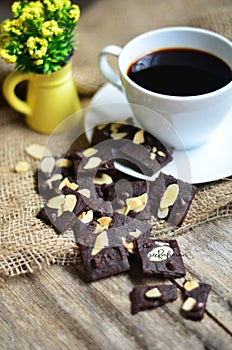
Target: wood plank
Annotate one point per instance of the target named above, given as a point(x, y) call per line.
point(57, 309)
point(207, 257)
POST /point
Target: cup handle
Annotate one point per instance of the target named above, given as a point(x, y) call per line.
point(105, 67)
point(9, 85)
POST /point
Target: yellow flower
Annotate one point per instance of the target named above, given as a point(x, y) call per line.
point(4, 41)
point(11, 27)
point(36, 4)
point(50, 28)
point(16, 26)
point(37, 47)
point(51, 7)
point(66, 3)
point(74, 13)
point(16, 8)
point(54, 5)
point(39, 36)
point(6, 26)
point(7, 57)
point(31, 12)
point(39, 62)
point(26, 15)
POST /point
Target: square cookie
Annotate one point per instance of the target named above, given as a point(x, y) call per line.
point(161, 257)
point(150, 297)
point(105, 262)
point(170, 199)
point(195, 295)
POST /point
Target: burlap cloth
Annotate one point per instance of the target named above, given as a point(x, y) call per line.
point(26, 243)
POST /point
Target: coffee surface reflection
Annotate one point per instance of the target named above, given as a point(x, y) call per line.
point(180, 72)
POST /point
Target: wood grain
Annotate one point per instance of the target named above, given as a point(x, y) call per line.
point(57, 309)
point(211, 256)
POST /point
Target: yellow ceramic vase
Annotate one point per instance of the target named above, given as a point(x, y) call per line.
point(50, 98)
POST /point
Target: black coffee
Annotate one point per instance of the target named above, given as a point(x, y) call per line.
point(180, 72)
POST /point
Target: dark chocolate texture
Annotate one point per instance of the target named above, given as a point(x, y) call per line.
point(121, 229)
point(145, 151)
point(61, 223)
point(177, 211)
point(199, 295)
point(140, 302)
point(108, 262)
point(107, 131)
point(160, 257)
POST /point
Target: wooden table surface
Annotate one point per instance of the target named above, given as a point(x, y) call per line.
point(56, 308)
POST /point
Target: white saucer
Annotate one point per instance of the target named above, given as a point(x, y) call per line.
point(210, 162)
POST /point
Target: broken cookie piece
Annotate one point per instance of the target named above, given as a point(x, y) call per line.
point(102, 261)
point(136, 145)
point(52, 171)
point(195, 295)
point(171, 198)
point(161, 257)
point(126, 230)
point(131, 198)
point(112, 131)
point(92, 161)
point(145, 151)
point(61, 223)
point(120, 229)
point(150, 297)
point(61, 211)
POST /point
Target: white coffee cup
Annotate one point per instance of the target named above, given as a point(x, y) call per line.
point(183, 122)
